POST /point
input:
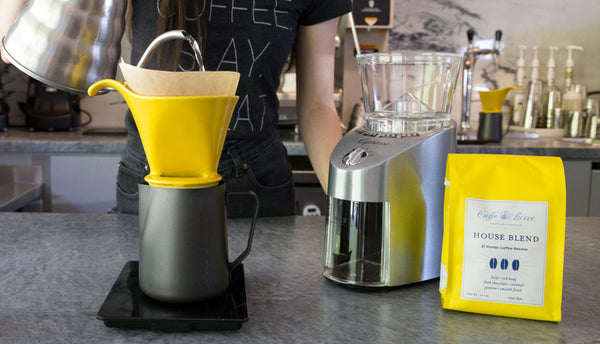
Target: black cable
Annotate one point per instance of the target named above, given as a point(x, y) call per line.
point(89, 116)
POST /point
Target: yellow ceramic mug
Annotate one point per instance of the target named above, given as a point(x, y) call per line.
point(182, 136)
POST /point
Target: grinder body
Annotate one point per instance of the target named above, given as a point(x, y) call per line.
point(385, 216)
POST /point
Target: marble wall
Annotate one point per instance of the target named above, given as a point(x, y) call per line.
point(441, 25)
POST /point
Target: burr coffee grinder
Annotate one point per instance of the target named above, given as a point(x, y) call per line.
point(386, 178)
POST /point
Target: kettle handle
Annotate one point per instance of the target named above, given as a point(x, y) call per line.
point(246, 252)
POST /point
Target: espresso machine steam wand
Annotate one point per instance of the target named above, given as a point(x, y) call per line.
point(470, 57)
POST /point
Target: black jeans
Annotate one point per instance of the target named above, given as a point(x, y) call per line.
point(258, 164)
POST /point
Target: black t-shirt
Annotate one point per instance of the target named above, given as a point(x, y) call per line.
point(252, 37)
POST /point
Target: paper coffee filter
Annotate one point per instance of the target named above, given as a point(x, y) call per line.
point(163, 83)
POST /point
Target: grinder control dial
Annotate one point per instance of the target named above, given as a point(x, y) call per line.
point(355, 157)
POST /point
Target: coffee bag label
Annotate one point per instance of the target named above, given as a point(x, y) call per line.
point(505, 251)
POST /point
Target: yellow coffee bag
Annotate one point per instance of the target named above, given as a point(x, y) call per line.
point(504, 235)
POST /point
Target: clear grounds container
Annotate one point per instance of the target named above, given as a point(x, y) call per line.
point(408, 91)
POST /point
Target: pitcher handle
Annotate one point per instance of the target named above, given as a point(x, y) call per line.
point(246, 252)
point(507, 128)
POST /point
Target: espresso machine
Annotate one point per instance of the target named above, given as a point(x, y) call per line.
point(386, 178)
point(48, 108)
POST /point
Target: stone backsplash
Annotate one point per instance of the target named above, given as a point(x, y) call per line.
point(439, 25)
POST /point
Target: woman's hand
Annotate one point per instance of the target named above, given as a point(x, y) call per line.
point(9, 9)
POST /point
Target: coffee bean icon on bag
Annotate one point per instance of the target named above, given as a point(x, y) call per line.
point(504, 264)
point(515, 265)
point(493, 263)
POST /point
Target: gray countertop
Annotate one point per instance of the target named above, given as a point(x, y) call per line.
point(56, 270)
point(567, 149)
point(19, 185)
point(19, 140)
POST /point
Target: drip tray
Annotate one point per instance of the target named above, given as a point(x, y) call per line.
point(127, 307)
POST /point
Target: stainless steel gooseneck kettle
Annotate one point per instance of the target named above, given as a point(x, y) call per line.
point(67, 44)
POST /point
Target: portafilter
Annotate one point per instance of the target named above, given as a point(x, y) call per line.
point(67, 44)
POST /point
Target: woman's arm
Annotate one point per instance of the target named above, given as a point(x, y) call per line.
point(317, 116)
point(9, 9)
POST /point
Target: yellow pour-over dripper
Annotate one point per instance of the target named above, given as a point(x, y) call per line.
point(183, 136)
point(492, 101)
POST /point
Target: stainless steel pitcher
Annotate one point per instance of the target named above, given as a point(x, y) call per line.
point(183, 248)
point(68, 44)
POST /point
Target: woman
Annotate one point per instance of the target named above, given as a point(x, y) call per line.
point(253, 38)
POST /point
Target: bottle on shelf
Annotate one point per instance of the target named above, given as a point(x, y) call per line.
point(552, 95)
point(533, 104)
point(517, 98)
point(571, 98)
